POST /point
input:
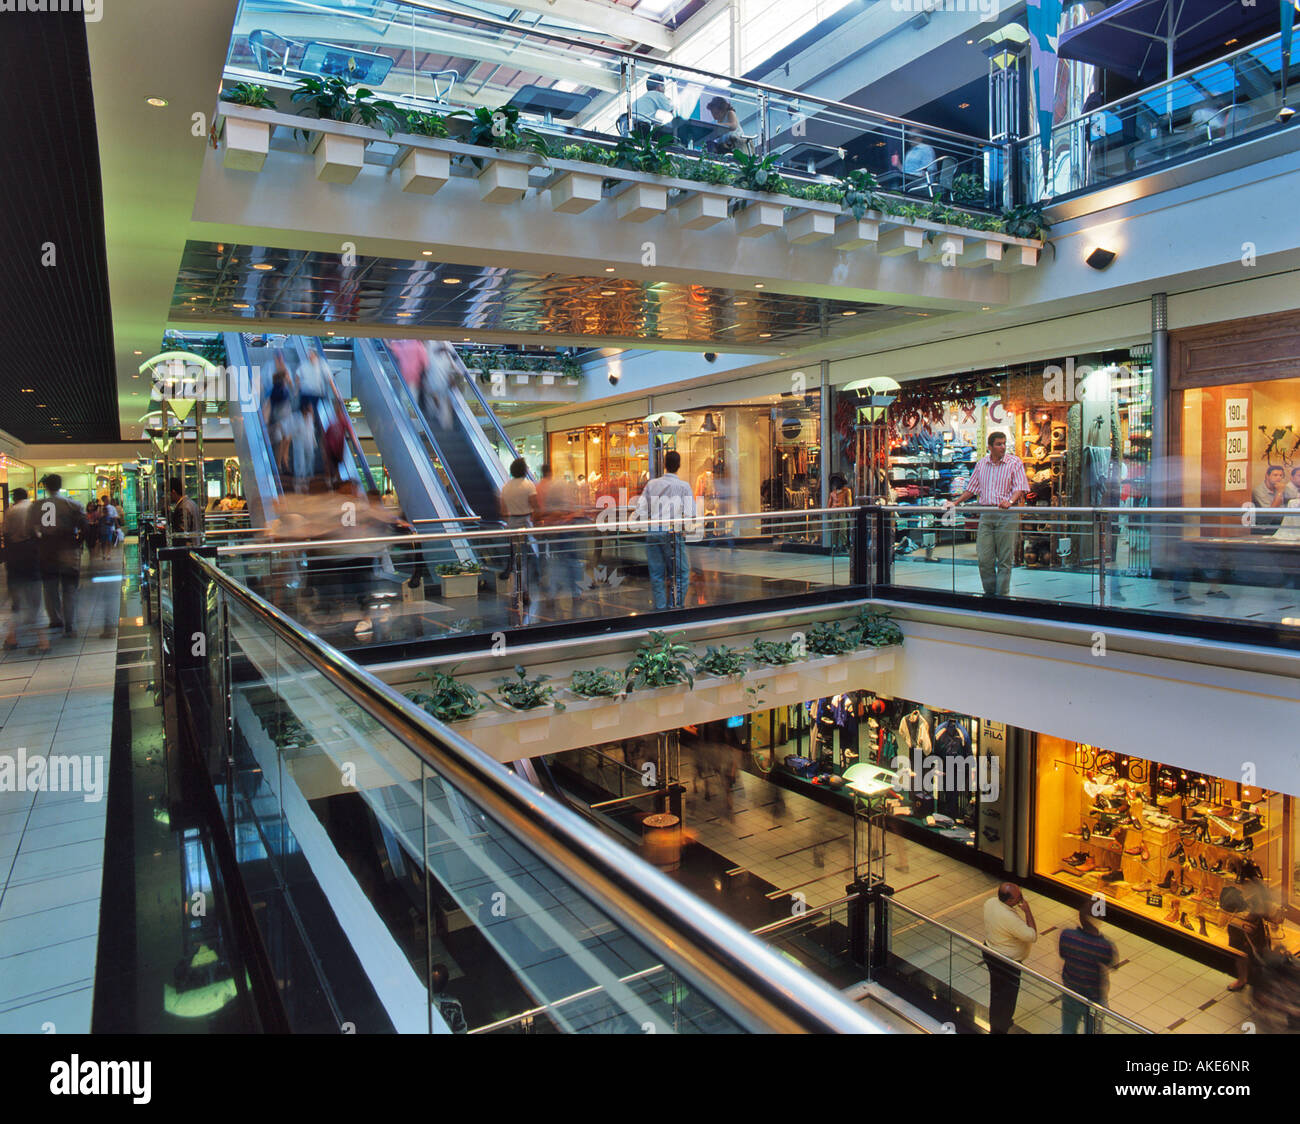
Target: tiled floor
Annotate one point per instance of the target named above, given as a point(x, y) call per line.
point(52, 842)
point(800, 846)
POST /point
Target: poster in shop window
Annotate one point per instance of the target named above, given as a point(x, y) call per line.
point(992, 821)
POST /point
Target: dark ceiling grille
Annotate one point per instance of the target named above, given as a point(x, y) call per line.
point(56, 335)
point(229, 282)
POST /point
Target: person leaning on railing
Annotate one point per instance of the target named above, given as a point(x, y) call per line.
point(998, 480)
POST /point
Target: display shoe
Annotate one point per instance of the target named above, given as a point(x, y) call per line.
point(1113, 876)
point(1217, 868)
point(1186, 890)
point(1087, 865)
point(1085, 833)
point(1167, 882)
point(1182, 920)
point(1176, 851)
point(1076, 858)
point(1174, 911)
point(1202, 921)
point(1146, 854)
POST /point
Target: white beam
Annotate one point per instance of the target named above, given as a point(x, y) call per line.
point(609, 18)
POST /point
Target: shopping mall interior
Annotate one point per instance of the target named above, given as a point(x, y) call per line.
point(623, 516)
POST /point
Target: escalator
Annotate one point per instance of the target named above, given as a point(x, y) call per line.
point(307, 350)
point(260, 473)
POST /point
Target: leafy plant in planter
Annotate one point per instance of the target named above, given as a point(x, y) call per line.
point(660, 661)
point(250, 94)
point(875, 630)
point(968, 188)
point(452, 569)
point(570, 368)
point(826, 638)
point(499, 128)
point(485, 362)
point(523, 693)
point(446, 698)
point(722, 661)
point(1025, 221)
point(774, 653)
point(759, 174)
point(644, 151)
point(821, 192)
point(331, 99)
point(860, 193)
point(425, 124)
point(713, 172)
point(597, 683)
point(588, 153)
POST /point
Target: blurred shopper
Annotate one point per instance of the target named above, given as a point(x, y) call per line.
point(334, 445)
point(441, 373)
point(667, 508)
point(110, 519)
point(301, 429)
point(23, 568)
point(557, 505)
point(1088, 958)
point(1013, 937)
point(186, 518)
point(313, 381)
point(278, 410)
point(412, 359)
point(60, 524)
point(92, 528)
point(840, 495)
point(519, 508)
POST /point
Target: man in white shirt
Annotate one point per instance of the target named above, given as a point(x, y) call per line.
point(1010, 935)
point(519, 508)
point(998, 480)
point(667, 507)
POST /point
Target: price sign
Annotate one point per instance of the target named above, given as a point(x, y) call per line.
point(1237, 444)
point(1236, 413)
point(1235, 479)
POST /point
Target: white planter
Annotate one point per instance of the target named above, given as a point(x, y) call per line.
point(533, 725)
point(338, 159)
point(1017, 257)
point(827, 669)
point(701, 211)
point(728, 689)
point(855, 234)
point(984, 252)
point(759, 218)
point(247, 143)
point(944, 248)
point(811, 226)
point(502, 182)
point(900, 240)
point(575, 192)
point(572, 382)
point(459, 585)
point(642, 201)
point(777, 679)
point(423, 172)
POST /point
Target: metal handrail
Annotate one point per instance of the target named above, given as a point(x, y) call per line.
point(1236, 512)
point(787, 922)
point(984, 949)
point(630, 525)
point(588, 46)
point(752, 985)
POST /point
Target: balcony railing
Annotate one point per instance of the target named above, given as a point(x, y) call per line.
point(438, 60)
point(1196, 113)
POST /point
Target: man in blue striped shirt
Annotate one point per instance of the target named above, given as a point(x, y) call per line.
point(1088, 958)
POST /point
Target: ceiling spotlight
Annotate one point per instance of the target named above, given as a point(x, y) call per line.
point(263, 265)
point(609, 269)
point(764, 335)
point(758, 284)
point(237, 304)
point(1284, 115)
point(963, 105)
point(741, 304)
point(427, 253)
point(157, 103)
point(329, 333)
point(139, 352)
point(451, 280)
point(1100, 258)
point(29, 390)
point(849, 312)
point(403, 314)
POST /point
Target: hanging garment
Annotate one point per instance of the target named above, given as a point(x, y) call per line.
point(914, 732)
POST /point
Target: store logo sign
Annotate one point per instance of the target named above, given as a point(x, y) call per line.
point(936, 774)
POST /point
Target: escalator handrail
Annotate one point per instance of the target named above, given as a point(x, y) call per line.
point(747, 981)
point(386, 366)
point(469, 381)
point(237, 344)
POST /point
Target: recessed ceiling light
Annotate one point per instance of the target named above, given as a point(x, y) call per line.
point(139, 352)
point(609, 292)
point(29, 390)
point(403, 314)
point(758, 284)
point(984, 308)
point(135, 376)
point(1230, 42)
point(741, 304)
point(848, 312)
point(263, 265)
point(609, 269)
point(156, 102)
point(240, 304)
point(465, 340)
point(764, 335)
point(40, 405)
point(451, 280)
point(963, 105)
point(970, 42)
point(427, 253)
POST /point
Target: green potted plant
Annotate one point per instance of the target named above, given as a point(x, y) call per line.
point(710, 204)
point(827, 638)
point(338, 158)
point(500, 181)
point(597, 683)
point(861, 201)
point(247, 141)
point(459, 579)
point(758, 217)
point(968, 190)
point(722, 662)
point(445, 697)
point(520, 693)
point(424, 171)
point(874, 630)
point(645, 151)
point(571, 369)
point(812, 225)
point(1025, 221)
point(774, 653)
point(662, 661)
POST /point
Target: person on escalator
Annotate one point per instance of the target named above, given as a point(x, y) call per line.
point(438, 379)
point(313, 384)
point(301, 429)
point(334, 445)
point(412, 359)
point(519, 508)
point(278, 410)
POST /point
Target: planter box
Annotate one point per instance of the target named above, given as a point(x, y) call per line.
point(728, 689)
point(900, 240)
point(701, 211)
point(533, 725)
point(642, 201)
point(247, 143)
point(811, 226)
point(759, 218)
point(423, 172)
point(784, 678)
point(338, 159)
point(502, 182)
point(943, 244)
point(1015, 257)
point(855, 234)
point(459, 585)
point(985, 252)
point(574, 192)
point(827, 669)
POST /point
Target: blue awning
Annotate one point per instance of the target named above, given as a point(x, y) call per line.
point(1149, 40)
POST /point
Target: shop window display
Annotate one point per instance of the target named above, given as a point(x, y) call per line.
point(1163, 842)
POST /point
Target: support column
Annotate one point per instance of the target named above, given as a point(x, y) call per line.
point(1160, 390)
point(824, 499)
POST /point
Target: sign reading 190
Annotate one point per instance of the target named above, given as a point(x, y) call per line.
point(1237, 412)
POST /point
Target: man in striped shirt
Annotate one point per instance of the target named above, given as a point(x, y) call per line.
point(998, 480)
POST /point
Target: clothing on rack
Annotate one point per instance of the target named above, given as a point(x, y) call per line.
point(914, 732)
